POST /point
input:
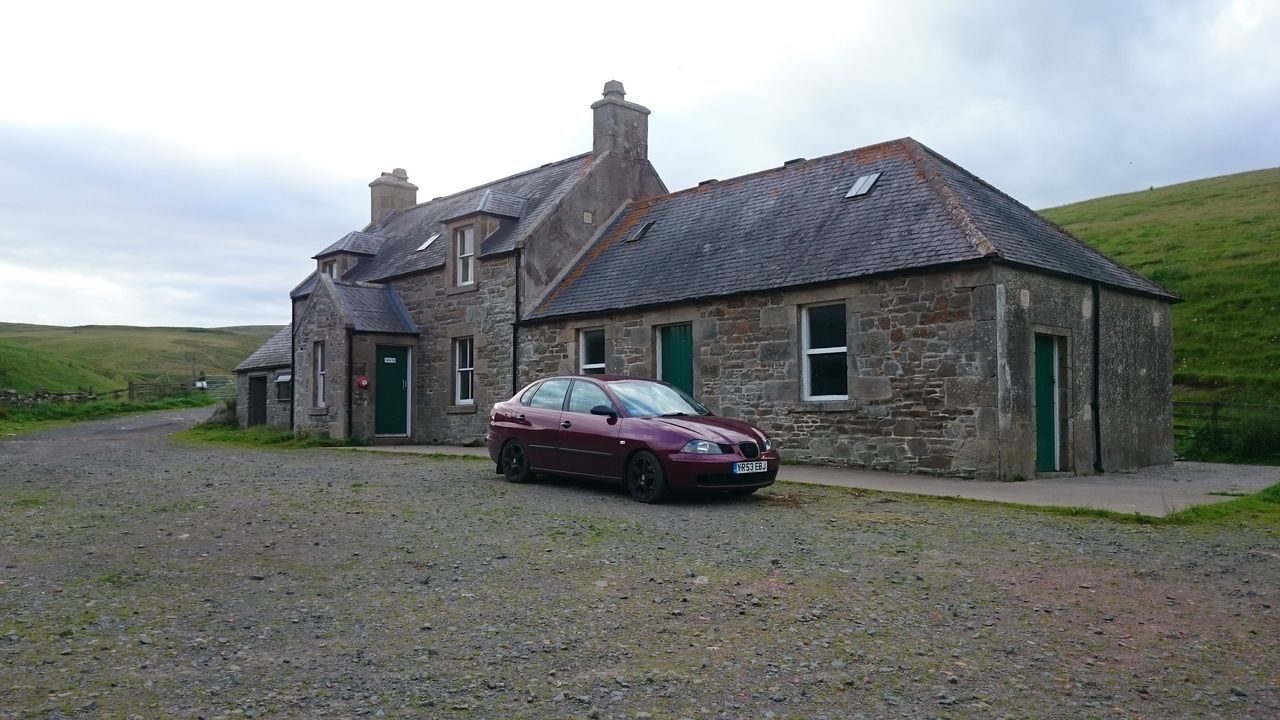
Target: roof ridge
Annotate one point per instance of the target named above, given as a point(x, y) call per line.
point(921, 155)
point(935, 155)
point(481, 186)
point(780, 168)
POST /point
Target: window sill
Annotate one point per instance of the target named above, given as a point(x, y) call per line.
point(318, 411)
point(824, 406)
point(459, 289)
point(460, 409)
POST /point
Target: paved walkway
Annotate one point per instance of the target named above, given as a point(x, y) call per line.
point(1152, 491)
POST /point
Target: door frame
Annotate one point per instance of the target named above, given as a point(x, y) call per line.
point(250, 415)
point(408, 392)
point(1061, 342)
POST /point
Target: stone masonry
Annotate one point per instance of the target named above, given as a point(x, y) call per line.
point(921, 371)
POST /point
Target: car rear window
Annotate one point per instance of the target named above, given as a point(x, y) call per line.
point(550, 394)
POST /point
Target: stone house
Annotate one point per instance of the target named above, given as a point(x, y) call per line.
point(880, 308)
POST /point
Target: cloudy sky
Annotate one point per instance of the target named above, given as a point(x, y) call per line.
point(179, 163)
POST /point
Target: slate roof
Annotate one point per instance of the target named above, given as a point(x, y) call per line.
point(273, 353)
point(794, 226)
point(536, 192)
point(493, 202)
point(373, 308)
point(357, 242)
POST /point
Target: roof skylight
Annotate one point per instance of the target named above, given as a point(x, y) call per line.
point(862, 185)
point(427, 244)
point(640, 231)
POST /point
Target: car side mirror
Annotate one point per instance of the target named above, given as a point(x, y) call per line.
point(604, 410)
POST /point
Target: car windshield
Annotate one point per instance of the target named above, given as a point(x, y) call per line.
point(651, 399)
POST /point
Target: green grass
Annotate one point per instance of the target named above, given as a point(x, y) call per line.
point(260, 436)
point(1260, 509)
point(49, 415)
point(26, 369)
point(1216, 243)
point(64, 359)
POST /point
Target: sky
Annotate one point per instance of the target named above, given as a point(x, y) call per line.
point(178, 164)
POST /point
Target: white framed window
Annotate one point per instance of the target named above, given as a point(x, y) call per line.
point(826, 356)
point(318, 373)
point(464, 252)
point(591, 352)
point(330, 268)
point(463, 372)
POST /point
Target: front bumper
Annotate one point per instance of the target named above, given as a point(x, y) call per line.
point(715, 472)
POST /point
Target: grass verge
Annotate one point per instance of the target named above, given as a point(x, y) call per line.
point(1261, 509)
point(259, 436)
point(16, 421)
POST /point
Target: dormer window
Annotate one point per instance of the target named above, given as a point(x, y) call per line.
point(464, 250)
point(330, 268)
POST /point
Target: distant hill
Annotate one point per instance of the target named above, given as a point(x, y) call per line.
point(108, 356)
point(1216, 243)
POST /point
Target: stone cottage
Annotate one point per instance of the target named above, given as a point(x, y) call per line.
point(880, 307)
point(264, 383)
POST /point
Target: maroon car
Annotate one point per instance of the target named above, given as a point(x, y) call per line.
point(652, 436)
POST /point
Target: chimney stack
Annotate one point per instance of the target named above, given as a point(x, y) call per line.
point(620, 126)
point(391, 192)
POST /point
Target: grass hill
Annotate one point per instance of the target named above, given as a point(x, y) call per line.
point(1216, 243)
point(108, 356)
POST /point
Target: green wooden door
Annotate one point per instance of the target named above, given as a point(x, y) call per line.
point(1046, 403)
point(391, 391)
point(675, 347)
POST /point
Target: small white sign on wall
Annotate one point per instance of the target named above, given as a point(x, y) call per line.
point(389, 360)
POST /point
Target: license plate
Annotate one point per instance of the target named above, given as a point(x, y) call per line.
point(754, 466)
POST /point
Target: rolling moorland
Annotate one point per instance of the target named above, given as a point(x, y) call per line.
point(1214, 242)
point(106, 357)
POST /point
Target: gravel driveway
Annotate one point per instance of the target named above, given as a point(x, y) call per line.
point(141, 577)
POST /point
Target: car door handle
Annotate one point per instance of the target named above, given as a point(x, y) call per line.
point(565, 424)
point(520, 418)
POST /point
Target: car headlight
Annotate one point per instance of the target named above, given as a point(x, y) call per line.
point(768, 444)
point(701, 447)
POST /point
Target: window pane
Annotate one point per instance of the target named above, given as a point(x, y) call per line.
point(464, 353)
point(826, 326)
point(551, 394)
point(586, 396)
point(464, 385)
point(592, 347)
point(828, 374)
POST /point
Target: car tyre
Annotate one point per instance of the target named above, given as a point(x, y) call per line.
point(515, 463)
point(646, 482)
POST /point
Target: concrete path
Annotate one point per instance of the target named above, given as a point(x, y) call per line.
point(1154, 491)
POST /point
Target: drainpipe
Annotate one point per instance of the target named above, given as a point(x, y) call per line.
point(515, 331)
point(1097, 377)
point(293, 365)
point(347, 375)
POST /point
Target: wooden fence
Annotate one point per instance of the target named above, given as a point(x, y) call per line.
point(1218, 418)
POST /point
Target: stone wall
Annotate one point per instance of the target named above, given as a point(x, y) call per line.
point(319, 320)
point(484, 312)
point(1136, 388)
point(920, 362)
point(1135, 361)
